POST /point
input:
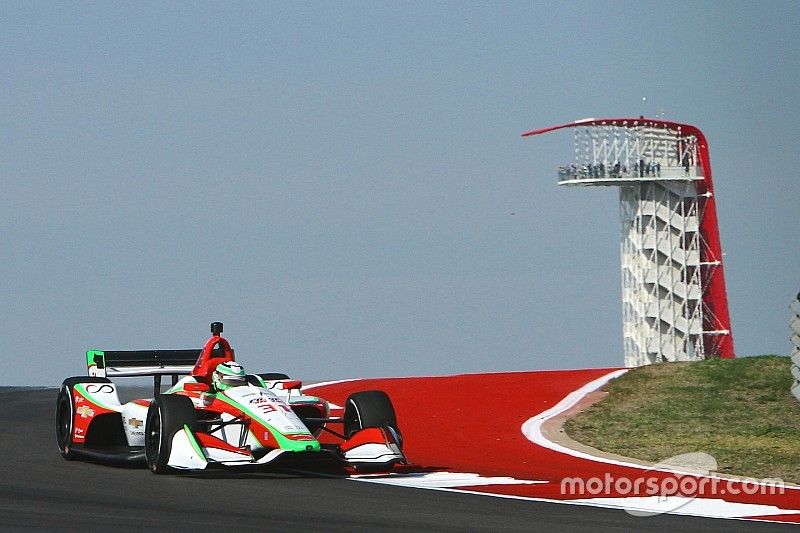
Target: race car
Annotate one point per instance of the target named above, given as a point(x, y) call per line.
point(216, 415)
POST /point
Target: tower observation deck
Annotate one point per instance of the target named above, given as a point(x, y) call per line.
point(674, 303)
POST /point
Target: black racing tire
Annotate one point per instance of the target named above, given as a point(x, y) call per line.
point(65, 413)
point(369, 409)
point(167, 415)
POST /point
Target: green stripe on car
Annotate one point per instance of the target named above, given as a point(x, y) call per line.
point(194, 443)
point(284, 442)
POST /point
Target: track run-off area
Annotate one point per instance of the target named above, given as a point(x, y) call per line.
point(481, 460)
point(484, 433)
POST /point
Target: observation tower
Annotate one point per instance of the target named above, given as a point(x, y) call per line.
point(674, 303)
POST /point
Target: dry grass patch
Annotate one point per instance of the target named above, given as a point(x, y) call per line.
point(738, 410)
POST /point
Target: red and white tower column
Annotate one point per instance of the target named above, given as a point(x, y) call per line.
point(674, 303)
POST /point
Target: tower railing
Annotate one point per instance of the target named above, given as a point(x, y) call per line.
point(580, 175)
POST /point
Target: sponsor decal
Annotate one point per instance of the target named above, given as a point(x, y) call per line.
point(266, 407)
point(79, 399)
point(135, 423)
point(206, 399)
point(78, 434)
point(266, 436)
point(300, 437)
point(85, 411)
point(262, 399)
point(268, 402)
point(95, 388)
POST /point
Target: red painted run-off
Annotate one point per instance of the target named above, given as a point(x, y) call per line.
point(473, 423)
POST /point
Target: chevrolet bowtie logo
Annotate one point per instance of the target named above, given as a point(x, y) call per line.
point(134, 423)
point(85, 411)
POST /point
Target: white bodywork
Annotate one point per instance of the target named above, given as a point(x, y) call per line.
point(268, 407)
point(374, 453)
point(184, 454)
point(133, 418)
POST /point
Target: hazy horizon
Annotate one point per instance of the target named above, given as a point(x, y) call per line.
point(345, 185)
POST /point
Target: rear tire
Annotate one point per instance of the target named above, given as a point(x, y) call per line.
point(369, 409)
point(167, 415)
point(65, 413)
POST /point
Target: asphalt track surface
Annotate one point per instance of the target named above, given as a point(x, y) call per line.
point(39, 490)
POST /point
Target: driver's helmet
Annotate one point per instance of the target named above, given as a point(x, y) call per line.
point(228, 374)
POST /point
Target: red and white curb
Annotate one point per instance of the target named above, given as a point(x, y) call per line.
point(477, 452)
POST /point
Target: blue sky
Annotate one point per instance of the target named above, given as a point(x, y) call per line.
point(336, 182)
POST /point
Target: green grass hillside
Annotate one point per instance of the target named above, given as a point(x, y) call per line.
point(738, 410)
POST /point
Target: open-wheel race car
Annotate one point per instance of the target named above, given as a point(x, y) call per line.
point(216, 415)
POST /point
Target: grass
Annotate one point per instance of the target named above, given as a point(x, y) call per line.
point(738, 410)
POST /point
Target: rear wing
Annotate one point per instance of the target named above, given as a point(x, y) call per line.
point(129, 363)
point(133, 363)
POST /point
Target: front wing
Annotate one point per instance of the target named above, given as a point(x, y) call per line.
point(373, 448)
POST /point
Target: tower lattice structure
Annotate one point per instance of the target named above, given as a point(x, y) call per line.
point(674, 302)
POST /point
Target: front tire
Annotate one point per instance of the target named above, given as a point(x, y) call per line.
point(368, 409)
point(167, 415)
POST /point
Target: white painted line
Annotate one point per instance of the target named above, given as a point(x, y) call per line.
point(432, 480)
point(532, 428)
point(324, 383)
point(598, 502)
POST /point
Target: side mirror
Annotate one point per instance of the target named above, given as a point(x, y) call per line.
point(291, 384)
point(196, 387)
